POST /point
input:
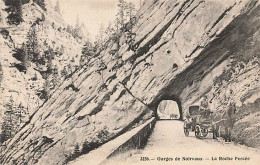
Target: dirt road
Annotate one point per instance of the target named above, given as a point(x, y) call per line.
point(169, 145)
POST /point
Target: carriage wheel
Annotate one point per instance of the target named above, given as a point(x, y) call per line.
point(204, 132)
point(197, 131)
point(186, 130)
point(214, 131)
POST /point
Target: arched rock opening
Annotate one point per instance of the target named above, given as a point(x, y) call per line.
point(155, 106)
point(168, 110)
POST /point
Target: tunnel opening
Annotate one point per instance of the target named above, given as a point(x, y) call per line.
point(167, 108)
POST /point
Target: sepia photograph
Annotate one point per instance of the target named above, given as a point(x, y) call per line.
point(129, 82)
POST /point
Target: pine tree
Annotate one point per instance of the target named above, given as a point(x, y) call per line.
point(87, 52)
point(77, 29)
point(122, 5)
point(100, 36)
point(20, 114)
point(55, 77)
point(110, 30)
point(70, 72)
point(69, 29)
point(19, 53)
point(46, 90)
point(62, 49)
point(19, 11)
point(14, 10)
point(129, 26)
point(140, 3)
point(50, 57)
point(76, 151)
point(41, 3)
point(57, 6)
point(1, 17)
point(7, 129)
point(77, 23)
point(130, 10)
point(64, 72)
point(12, 120)
point(117, 25)
point(1, 73)
point(25, 1)
point(26, 60)
point(32, 45)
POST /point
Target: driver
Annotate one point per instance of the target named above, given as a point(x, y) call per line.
point(205, 107)
point(204, 103)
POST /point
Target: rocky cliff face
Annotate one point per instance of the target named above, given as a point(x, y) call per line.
point(182, 50)
point(23, 87)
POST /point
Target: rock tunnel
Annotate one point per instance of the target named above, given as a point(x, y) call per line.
point(168, 110)
point(170, 99)
point(177, 65)
point(236, 43)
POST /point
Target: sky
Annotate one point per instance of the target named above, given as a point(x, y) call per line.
point(92, 13)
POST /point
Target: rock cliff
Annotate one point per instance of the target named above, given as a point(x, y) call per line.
point(25, 87)
point(181, 50)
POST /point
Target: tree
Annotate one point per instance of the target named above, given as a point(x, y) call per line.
point(130, 10)
point(49, 56)
point(57, 6)
point(87, 52)
point(1, 17)
point(32, 45)
point(77, 23)
point(1, 73)
point(21, 54)
point(20, 114)
point(76, 151)
point(100, 36)
point(12, 120)
point(122, 5)
point(41, 3)
point(25, 1)
point(19, 14)
point(77, 31)
point(69, 29)
point(129, 26)
point(140, 3)
point(7, 129)
point(109, 30)
point(88, 49)
point(19, 11)
point(45, 93)
point(26, 60)
point(64, 72)
point(14, 10)
point(55, 77)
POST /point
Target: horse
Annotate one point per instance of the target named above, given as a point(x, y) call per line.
point(225, 120)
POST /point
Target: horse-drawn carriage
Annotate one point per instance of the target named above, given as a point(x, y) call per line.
point(202, 121)
point(198, 120)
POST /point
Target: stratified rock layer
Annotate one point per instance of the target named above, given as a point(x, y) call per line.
point(180, 47)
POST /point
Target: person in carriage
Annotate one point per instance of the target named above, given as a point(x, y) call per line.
point(204, 109)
